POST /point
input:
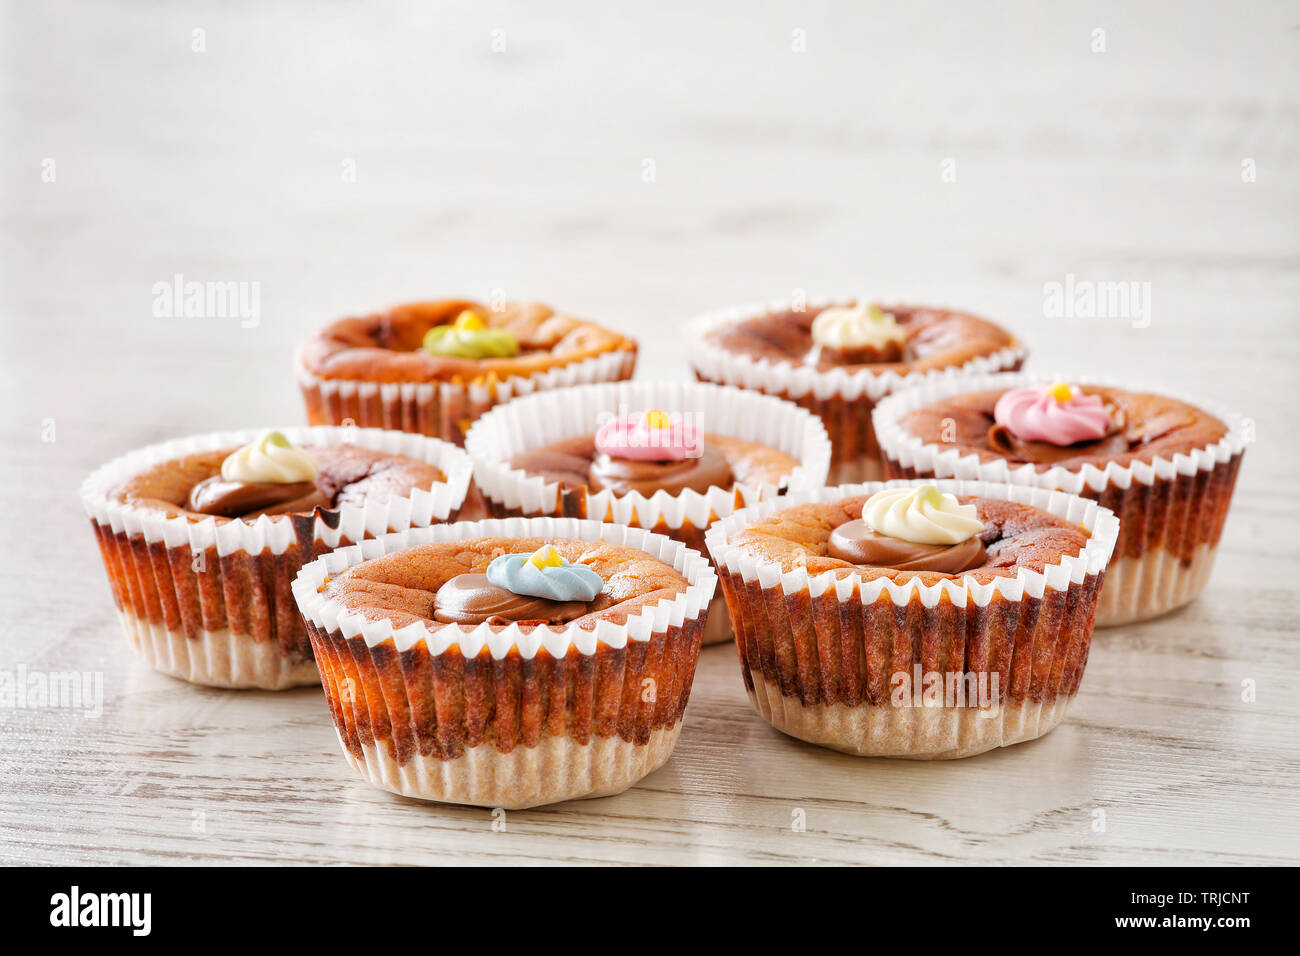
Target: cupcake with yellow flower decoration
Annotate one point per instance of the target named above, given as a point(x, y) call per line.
point(201, 537)
point(434, 367)
point(910, 619)
point(838, 359)
point(1167, 466)
point(672, 457)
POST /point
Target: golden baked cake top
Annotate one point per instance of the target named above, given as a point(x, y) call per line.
point(1064, 425)
point(425, 583)
point(455, 340)
point(863, 336)
point(1012, 536)
point(653, 451)
point(346, 474)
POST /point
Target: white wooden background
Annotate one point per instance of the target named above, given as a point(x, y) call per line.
point(526, 170)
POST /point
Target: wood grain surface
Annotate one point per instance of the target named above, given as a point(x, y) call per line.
point(638, 166)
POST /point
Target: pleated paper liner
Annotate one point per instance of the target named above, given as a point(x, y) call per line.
point(843, 400)
point(508, 716)
point(444, 410)
point(210, 601)
point(820, 654)
point(1171, 510)
point(550, 417)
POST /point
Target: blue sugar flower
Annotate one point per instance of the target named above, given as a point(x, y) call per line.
point(544, 574)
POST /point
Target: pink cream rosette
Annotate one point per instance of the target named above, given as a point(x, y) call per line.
point(652, 436)
point(1041, 413)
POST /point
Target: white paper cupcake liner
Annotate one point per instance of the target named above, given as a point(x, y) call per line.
point(215, 584)
point(816, 650)
point(551, 417)
point(1160, 503)
point(908, 733)
point(443, 409)
point(465, 714)
point(842, 399)
point(217, 658)
point(557, 769)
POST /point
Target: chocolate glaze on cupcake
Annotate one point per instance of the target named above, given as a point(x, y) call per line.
point(722, 462)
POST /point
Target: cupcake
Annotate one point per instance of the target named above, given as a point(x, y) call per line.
point(434, 367)
point(838, 359)
point(1165, 466)
point(928, 621)
point(202, 536)
point(667, 456)
point(507, 663)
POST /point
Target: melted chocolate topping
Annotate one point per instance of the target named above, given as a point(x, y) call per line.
point(621, 475)
point(472, 599)
point(1002, 440)
point(855, 542)
point(867, 354)
point(252, 499)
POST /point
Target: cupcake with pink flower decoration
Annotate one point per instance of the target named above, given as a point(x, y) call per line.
point(671, 457)
point(1166, 466)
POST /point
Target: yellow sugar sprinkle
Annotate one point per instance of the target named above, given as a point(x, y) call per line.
point(1060, 391)
point(929, 494)
point(545, 557)
point(469, 321)
point(657, 419)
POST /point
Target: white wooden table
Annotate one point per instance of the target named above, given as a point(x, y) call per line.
point(636, 171)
